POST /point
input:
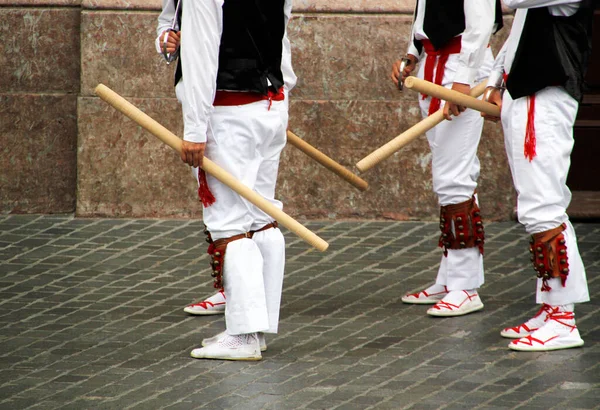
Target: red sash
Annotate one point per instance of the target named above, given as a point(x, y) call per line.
point(438, 64)
point(242, 98)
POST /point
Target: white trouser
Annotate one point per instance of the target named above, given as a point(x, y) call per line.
point(455, 169)
point(542, 193)
point(247, 141)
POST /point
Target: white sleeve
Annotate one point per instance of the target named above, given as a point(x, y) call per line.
point(557, 7)
point(164, 21)
point(412, 49)
point(479, 24)
point(497, 73)
point(202, 25)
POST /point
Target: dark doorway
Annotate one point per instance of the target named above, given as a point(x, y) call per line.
point(584, 175)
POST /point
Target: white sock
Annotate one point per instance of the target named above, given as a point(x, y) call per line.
point(435, 288)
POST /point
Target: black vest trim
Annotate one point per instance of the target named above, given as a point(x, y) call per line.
point(445, 19)
point(552, 51)
point(178, 72)
point(417, 43)
point(499, 21)
point(251, 46)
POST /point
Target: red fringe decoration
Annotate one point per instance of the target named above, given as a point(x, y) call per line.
point(439, 76)
point(206, 197)
point(545, 286)
point(530, 130)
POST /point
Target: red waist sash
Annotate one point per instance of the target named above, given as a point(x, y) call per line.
point(229, 98)
point(432, 63)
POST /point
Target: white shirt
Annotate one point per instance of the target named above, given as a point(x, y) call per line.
point(200, 59)
point(165, 19)
point(479, 24)
point(506, 56)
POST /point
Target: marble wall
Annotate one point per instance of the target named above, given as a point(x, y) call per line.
point(64, 149)
point(38, 108)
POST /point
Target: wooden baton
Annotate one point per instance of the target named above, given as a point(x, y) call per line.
point(443, 93)
point(327, 162)
point(210, 167)
point(409, 135)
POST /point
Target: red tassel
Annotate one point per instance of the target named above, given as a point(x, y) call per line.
point(563, 280)
point(545, 286)
point(206, 197)
point(530, 130)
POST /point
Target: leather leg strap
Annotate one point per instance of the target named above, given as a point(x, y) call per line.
point(549, 255)
point(461, 226)
point(273, 224)
point(216, 250)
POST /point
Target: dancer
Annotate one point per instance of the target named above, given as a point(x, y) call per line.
point(453, 39)
point(234, 108)
point(542, 64)
point(167, 43)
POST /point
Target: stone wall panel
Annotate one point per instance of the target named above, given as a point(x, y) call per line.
point(344, 104)
point(341, 57)
point(38, 140)
point(355, 6)
point(40, 3)
point(400, 187)
point(122, 4)
point(44, 55)
point(117, 49)
point(126, 171)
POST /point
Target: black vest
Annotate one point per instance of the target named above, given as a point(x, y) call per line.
point(178, 72)
point(552, 51)
point(251, 46)
point(445, 19)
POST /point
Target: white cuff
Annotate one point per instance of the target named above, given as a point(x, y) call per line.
point(413, 50)
point(495, 79)
point(465, 75)
point(195, 134)
point(157, 45)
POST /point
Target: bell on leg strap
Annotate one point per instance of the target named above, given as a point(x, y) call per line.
point(461, 226)
point(549, 255)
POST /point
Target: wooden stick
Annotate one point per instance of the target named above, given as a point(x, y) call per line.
point(409, 135)
point(225, 177)
point(326, 161)
point(443, 93)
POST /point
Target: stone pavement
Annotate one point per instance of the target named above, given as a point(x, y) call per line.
point(91, 318)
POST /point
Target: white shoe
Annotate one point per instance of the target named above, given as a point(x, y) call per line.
point(209, 341)
point(559, 332)
point(531, 325)
point(457, 303)
point(239, 347)
point(214, 305)
point(429, 296)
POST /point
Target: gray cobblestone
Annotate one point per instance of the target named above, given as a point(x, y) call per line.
point(90, 317)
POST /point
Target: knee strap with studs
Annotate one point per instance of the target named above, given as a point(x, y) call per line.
point(549, 255)
point(461, 226)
